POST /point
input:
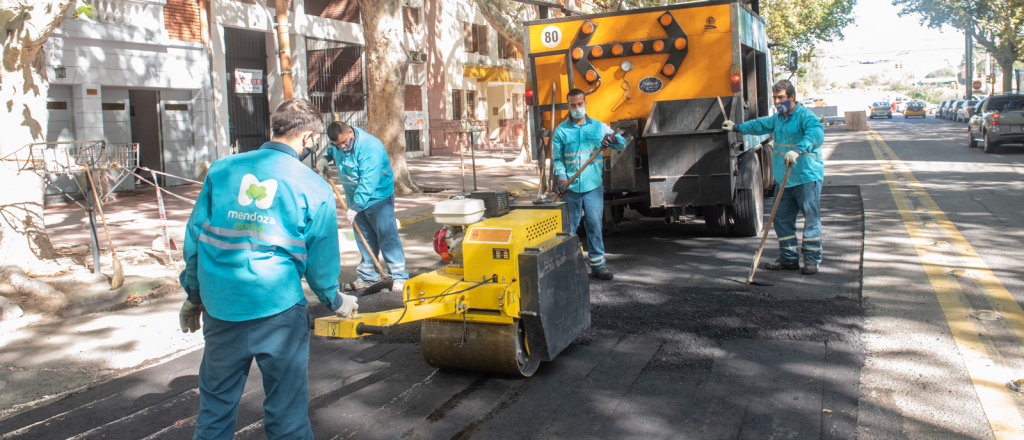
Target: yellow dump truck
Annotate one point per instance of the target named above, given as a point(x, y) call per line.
point(657, 74)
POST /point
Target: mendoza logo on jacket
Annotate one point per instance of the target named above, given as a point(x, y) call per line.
point(252, 190)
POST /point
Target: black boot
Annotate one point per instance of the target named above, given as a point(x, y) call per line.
point(603, 274)
point(778, 265)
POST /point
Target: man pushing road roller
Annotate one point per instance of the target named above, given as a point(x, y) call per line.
point(798, 138)
point(262, 221)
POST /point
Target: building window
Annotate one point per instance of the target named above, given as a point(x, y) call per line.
point(470, 104)
point(475, 38)
point(456, 104)
point(507, 50)
point(412, 140)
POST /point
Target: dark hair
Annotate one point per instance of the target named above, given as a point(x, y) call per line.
point(295, 116)
point(336, 129)
point(785, 85)
point(575, 92)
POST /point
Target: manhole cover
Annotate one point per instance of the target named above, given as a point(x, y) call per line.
point(986, 315)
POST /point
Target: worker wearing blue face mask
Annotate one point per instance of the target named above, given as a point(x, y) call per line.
point(573, 142)
point(365, 173)
point(798, 139)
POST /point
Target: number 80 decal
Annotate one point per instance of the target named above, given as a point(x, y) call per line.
point(551, 36)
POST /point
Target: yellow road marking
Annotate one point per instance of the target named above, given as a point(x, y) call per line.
point(981, 358)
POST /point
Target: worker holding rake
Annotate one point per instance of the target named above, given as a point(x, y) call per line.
point(798, 139)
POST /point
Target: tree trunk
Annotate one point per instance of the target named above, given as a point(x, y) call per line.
point(1006, 66)
point(386, 63)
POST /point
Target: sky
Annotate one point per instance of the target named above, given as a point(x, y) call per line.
point(880, 35)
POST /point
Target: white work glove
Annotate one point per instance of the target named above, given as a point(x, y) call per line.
point(791, 157)
point(728, 126)
point(321, 166)
point(349, 305)
point(351, 215)
point(189, 316)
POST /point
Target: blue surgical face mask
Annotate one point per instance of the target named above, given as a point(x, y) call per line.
point(782, 107)
point(579, 113)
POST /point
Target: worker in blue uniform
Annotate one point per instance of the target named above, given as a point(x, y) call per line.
point(798, 139)
point(262, 221)
point(365, 172)
point(573, 142)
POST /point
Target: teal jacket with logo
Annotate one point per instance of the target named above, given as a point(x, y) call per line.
point(262, 221)
point(571, 147)
point(365, 172)
point(801, 131)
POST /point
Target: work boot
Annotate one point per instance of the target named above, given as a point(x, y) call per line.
point(603, 274)
point(809, 269)
point(779, 265)
point(356, 285)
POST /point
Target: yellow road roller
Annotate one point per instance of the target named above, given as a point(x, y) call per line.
point(515, 291)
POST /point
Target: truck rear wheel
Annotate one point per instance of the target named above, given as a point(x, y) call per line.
point(716, 217)
point(749, 210)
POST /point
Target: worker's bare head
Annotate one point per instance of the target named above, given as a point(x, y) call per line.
point(296, 122)
point(577, 99)
point(783, 91)
point(340, 134)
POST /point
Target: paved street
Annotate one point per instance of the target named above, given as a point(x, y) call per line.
point(877, 345)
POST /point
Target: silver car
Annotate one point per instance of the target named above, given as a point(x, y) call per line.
point(881, 109)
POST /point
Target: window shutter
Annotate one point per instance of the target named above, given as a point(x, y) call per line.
point(481, 40)
point(467, 35)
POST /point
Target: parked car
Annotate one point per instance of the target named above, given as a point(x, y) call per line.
point(941, 111)
point(930, 108)
point(953, 107)
point(881, 109)
point(1000, 120)
point(963, 114)
point(809, 102)
point(819, 102)
point(915, 108)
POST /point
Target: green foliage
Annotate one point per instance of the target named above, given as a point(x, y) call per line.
point(86, 9)
point(801, 24)
point(941, 73)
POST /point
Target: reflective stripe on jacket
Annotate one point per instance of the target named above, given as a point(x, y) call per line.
point(262, 221)
point(365, 171)
point(800, 131)
point(573, 144)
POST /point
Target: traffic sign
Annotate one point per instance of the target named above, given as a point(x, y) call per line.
point(977, 85)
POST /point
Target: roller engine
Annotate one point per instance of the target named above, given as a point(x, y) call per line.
point(515, 291)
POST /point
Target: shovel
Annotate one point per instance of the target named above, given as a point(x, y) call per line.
point(385, 281)
point(771, 218)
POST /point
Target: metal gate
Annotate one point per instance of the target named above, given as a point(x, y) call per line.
point(337, 84)
point(248, 113)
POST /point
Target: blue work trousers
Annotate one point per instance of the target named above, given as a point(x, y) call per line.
point(378, 225)
point(280, 345)
point(591, 203)
point(806, 199)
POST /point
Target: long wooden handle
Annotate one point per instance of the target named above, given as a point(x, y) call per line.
point(585, 165)
point(771, 218)
point(341, 198)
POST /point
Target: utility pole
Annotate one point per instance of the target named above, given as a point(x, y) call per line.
point(283, 47)
point(969, 80)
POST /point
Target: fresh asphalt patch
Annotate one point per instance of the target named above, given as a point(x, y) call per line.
point(676, 349)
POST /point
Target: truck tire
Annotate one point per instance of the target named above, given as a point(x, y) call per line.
point(749, 211)
point(716, 217)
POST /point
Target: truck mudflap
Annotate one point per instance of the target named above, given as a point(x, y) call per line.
point(690, 158)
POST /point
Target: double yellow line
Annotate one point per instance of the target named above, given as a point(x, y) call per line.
point(950, 262)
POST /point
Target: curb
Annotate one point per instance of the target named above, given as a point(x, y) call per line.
point(97, 302)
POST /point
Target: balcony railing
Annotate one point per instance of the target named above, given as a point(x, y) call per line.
point(141, 13)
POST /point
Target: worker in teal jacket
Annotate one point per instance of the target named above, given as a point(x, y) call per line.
point(798, 139)
point(262, 221)
point(365, 173)
point(573, 142)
